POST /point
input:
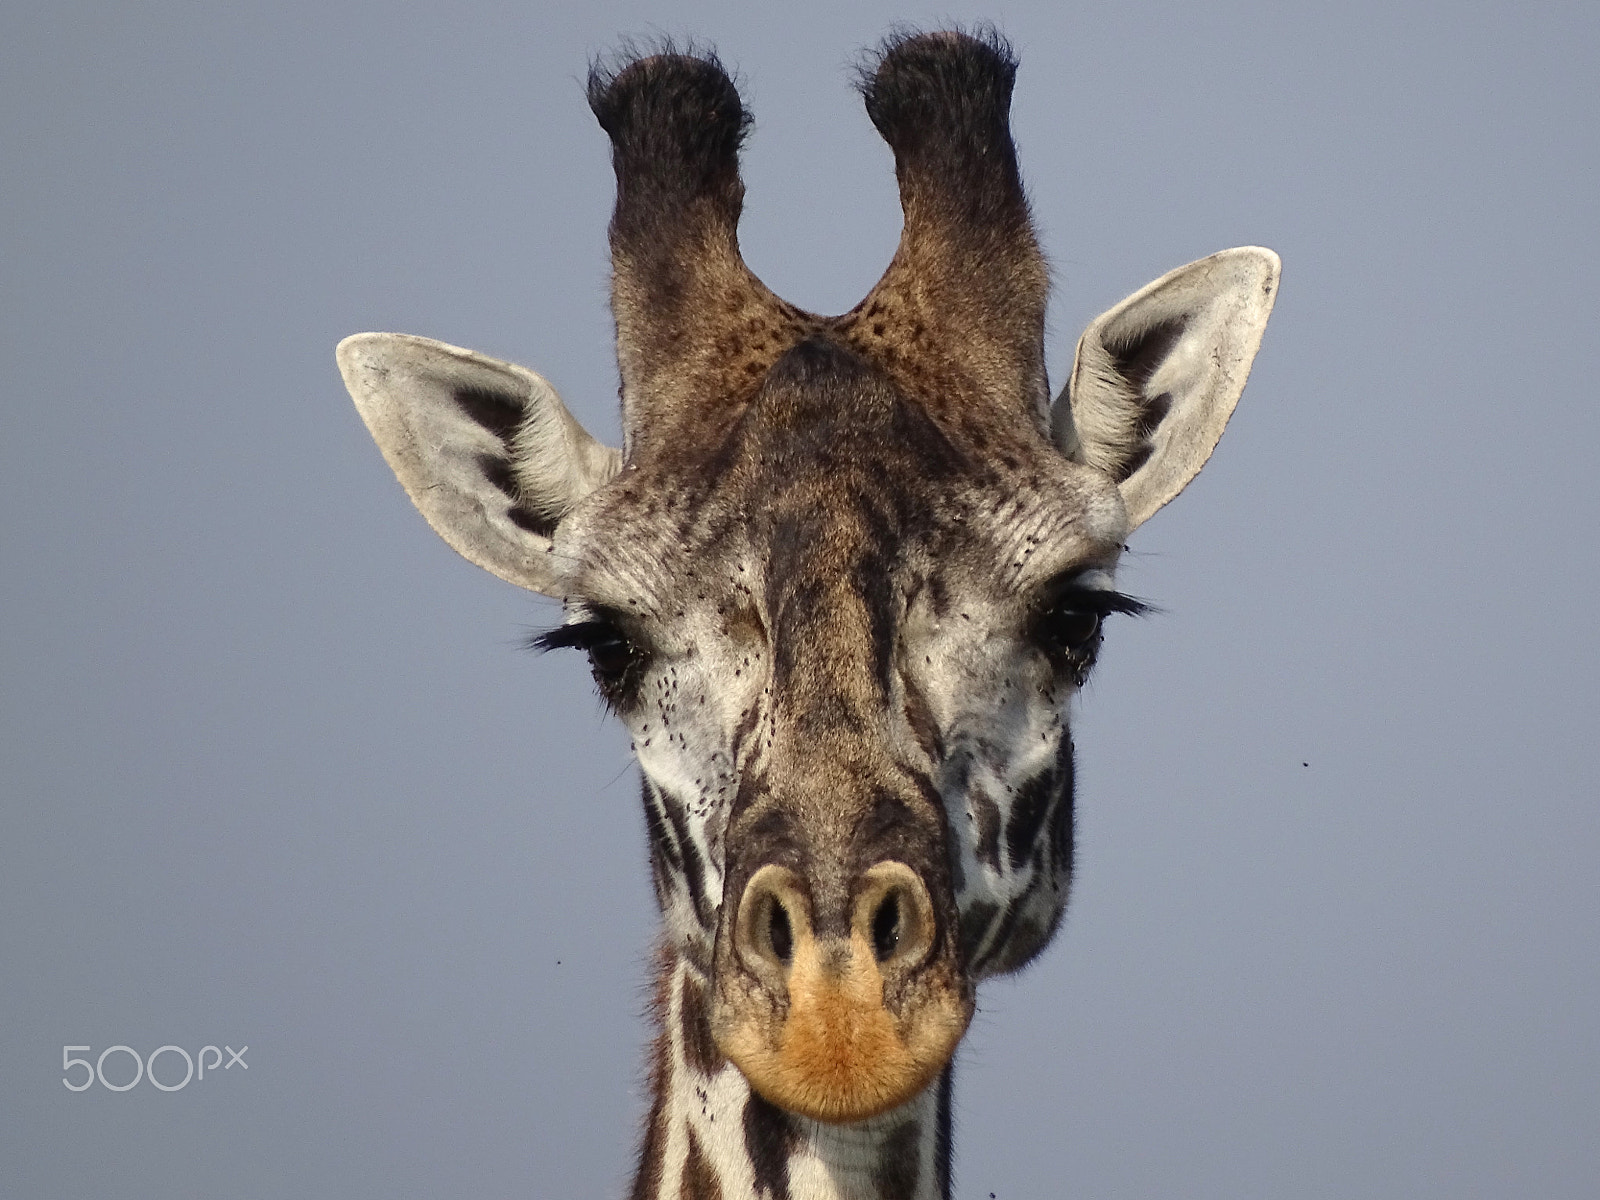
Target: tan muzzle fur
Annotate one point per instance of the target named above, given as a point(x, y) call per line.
point(840, 1029)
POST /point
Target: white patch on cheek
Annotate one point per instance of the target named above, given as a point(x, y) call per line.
point(1002, 714)
point(683, 735)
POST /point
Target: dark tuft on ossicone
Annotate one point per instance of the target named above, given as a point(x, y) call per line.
point(940, 87)
point(943, 103)
point(675, 120)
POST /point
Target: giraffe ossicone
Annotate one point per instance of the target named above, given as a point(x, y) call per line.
point(840, 582)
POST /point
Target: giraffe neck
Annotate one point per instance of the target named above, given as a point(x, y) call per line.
point(711, 1138)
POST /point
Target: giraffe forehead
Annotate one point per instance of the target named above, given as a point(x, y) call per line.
point(751, 565)
point(821, 499)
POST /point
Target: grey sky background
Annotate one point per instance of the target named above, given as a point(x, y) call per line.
point(276, 773)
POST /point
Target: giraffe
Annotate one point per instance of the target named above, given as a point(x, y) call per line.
point(840, 582)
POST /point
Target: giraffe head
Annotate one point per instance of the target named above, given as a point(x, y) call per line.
point(846, 573)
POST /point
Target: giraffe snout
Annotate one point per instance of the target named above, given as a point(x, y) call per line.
point(840, 1025)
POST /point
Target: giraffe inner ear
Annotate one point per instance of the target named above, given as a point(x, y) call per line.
point(485, 449)
point(1157, 377)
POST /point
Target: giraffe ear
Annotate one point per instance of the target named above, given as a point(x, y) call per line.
point(485, 449)
point(1157, 377)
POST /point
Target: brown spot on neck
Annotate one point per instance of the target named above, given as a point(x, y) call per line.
point(699, 1047)
point(699, 1180)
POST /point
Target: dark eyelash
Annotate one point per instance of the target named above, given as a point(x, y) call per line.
point(1099, 601)
point(580, 635)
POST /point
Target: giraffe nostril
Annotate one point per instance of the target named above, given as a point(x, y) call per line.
point(779, 932)
point(886, 927)
point(893, 918)
point(773, 926)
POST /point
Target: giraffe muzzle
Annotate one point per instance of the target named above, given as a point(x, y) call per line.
point(840, 1027)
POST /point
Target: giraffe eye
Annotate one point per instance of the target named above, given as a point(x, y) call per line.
point(1072, 630)
point(610, 655)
